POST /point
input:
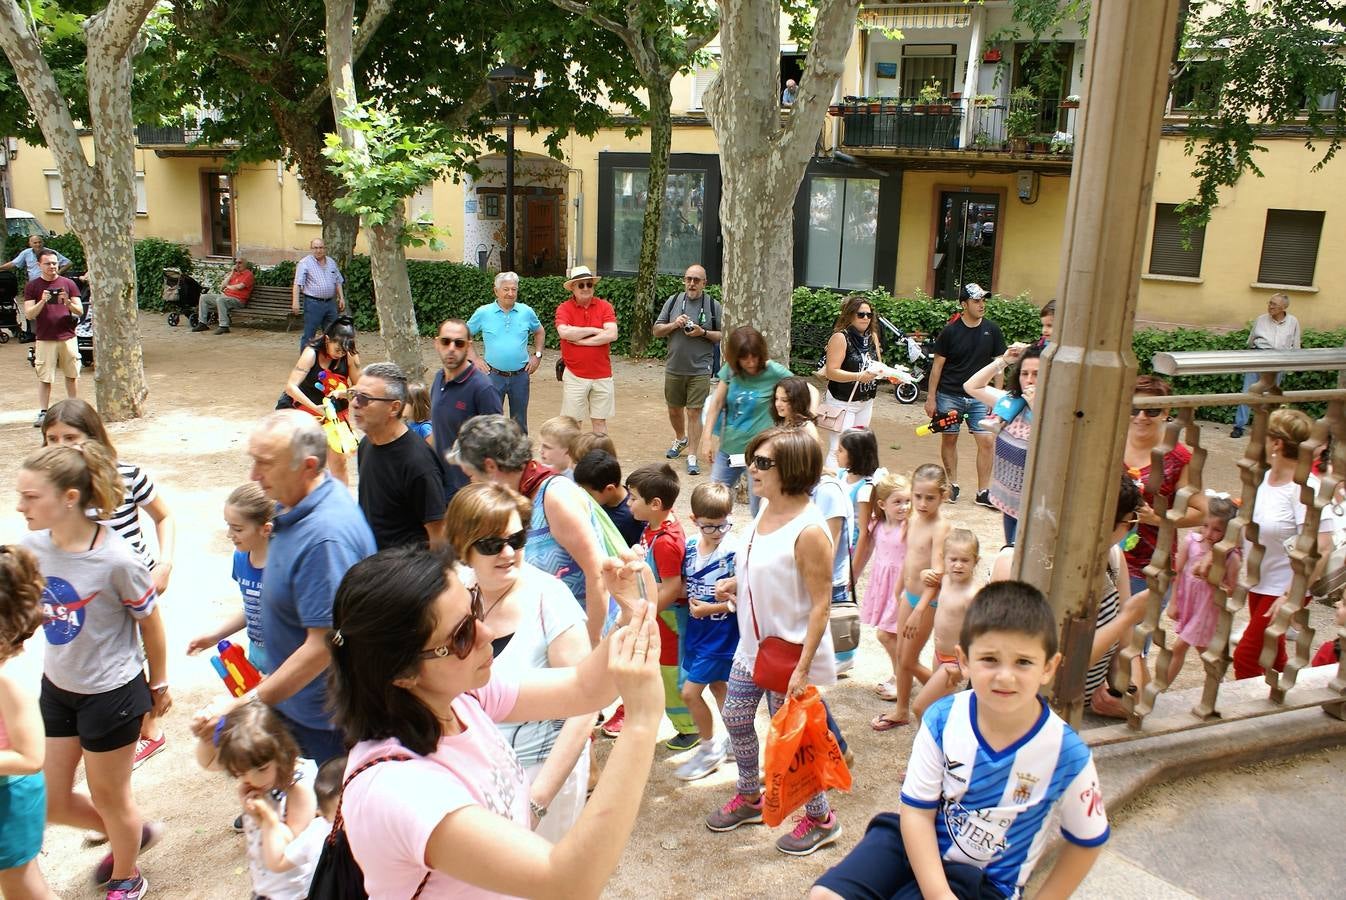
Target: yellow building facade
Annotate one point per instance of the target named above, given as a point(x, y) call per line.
point(921, 184)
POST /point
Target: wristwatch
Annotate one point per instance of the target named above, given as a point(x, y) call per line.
point(537, 353)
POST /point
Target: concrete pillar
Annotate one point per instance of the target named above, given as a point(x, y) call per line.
point(1074, 466)
point(972, 76)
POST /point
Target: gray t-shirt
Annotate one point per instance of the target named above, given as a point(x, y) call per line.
point(89, 607)
point(690, 355)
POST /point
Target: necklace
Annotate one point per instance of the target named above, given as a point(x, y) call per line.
point(486, 615)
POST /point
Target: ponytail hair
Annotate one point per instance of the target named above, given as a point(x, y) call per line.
point(252, 503)
point(90, 469)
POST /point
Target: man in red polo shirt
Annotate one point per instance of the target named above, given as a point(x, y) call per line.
point(237, 290)
point(586, 325)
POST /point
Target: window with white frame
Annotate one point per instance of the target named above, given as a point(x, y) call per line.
point(701, 79)
point(421, 205)
point(308, 209)
point(55, 196)
point(142, 199)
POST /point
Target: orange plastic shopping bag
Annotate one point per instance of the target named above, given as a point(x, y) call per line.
point(802, 757)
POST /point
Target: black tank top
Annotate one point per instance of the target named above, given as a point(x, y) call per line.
point(859, 354)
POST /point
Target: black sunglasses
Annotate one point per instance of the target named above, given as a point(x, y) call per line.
point(491, 546)
point(583, 285)
point(463, 637)
point(1149, 413)
point(360, 398)
point(864, 315)
point(763, 463)
point(456, 342)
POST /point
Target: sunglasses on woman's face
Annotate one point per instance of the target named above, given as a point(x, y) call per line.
point(1149, 413)
point(491, 546)
point(763, 463)
point(864, 315)
point(452, 342)
point(463, 637)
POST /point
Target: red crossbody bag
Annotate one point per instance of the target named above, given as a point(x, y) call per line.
point(777, 658)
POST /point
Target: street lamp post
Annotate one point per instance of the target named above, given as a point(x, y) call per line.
point(501, 82)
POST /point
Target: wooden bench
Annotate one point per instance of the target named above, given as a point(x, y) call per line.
point(267, 302)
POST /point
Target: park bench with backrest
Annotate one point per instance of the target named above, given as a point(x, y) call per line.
point(267, 302)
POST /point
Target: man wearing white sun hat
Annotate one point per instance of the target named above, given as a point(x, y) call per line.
point(587, 326)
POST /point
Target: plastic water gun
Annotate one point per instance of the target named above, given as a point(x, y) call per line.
point(239, 675)
point(339, 435)
point(334, 386)
point(1007, 409)
point(893, 374)
point(940, 423)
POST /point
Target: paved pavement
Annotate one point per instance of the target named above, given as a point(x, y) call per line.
point(1268, 830)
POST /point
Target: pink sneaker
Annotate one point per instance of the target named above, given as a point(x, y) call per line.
point(810, 834)
point(145, 748)
point(738, 811)
point(613, 727)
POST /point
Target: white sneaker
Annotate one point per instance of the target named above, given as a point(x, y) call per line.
point(706, 760)
point(845, 665)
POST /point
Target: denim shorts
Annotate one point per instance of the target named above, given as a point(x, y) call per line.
point(973, 411)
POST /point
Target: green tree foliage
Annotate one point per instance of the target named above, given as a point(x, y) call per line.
point(663, 39)
point(1275, 68)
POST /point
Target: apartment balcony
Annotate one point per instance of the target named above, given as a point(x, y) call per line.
point(913, 128)
point(178, 140)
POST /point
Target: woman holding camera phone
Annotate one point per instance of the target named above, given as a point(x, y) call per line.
point(52, 302)
point(328, 366)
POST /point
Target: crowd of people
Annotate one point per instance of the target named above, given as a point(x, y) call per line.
point(439, 650)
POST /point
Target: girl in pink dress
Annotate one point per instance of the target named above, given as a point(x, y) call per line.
point(888, 530)
point(1193, 614)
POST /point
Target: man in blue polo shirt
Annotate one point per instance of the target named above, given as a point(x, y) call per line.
point(460, 391)
point(318, 534)
point(505, 327)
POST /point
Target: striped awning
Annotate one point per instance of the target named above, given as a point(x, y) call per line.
point(911, 16)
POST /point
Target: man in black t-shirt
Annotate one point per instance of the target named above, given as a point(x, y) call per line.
point(401, 477)
point(965, 346)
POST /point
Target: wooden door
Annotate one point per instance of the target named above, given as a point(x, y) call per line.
point(540, 254)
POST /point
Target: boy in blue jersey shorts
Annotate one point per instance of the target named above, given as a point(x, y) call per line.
point(710, 636)
point(987, 768)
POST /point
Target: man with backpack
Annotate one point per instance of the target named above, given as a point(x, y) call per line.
point(692, 322)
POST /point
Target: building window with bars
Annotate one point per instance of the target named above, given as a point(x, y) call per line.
point(1290, 247)
point(1172, 250)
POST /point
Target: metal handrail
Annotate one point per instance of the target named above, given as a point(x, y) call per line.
point(1224, 362)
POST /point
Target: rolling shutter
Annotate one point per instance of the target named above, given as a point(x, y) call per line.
point(1290, 246)
point(1168, 256)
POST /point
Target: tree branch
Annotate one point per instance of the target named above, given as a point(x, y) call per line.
point(375, 13)
point(831, 37)
point(117, 25)
point(602, 21)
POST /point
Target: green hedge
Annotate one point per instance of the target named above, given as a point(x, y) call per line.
point(152, 257)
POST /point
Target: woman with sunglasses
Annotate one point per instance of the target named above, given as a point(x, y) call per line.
point(537, 625)
point(1143, 434)
point(783, 589)
point(1011, 441)
point(435, 802)
point(328, 365)
point(851, 387)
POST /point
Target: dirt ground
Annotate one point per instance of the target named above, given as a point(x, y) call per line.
point(206, 392)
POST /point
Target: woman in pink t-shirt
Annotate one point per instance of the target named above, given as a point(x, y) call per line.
point(411, 678)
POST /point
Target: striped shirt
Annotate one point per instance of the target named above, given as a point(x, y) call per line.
point(125, 519)
point(1109, 606)
point(318, 279)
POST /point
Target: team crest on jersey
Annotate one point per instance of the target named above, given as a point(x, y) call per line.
point(1023, 791)
point(63, 610)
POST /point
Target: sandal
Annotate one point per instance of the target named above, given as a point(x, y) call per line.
point(883, 723)
point(886, 690)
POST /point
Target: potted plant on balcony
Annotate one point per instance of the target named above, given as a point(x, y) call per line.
point(1039, 143)
point(929, 96)
point(1063, 143)
point(991, 55)
point(1071, 102)
point(984, 100)
point(1022, 118)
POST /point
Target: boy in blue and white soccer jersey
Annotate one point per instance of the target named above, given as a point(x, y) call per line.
point(986, 770)
point(710, 636)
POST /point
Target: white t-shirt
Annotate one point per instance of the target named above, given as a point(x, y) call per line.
point(1279, 514)
point(547, 609)
point(392, 808)
point(771, 587)
point(294, 883)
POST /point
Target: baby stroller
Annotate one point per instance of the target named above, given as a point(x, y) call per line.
point(181, 295)
point(920, 355)
point(9, 319)
point(84, 332)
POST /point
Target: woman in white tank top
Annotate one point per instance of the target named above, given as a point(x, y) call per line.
point(783, 589)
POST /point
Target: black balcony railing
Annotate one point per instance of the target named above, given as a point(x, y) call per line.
point(909, 123)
